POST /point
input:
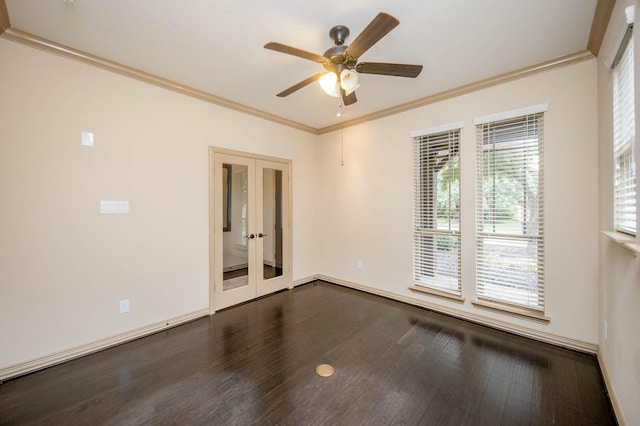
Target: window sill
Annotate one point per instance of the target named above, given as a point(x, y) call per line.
point(512, 310)
point(626, 241)
point(438, 293)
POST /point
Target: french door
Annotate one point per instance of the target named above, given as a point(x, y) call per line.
point(251, 253)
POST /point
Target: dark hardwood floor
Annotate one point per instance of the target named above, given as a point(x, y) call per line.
point(255, 364)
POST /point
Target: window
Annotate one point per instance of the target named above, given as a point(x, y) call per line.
point(436, 241)
point(625, 195)
point(510, 244)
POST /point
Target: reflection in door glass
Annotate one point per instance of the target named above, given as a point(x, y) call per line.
point(234, 242)
point(272, 223)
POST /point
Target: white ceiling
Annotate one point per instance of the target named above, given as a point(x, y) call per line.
point(217, 46)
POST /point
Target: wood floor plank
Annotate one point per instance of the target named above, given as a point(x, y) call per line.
point(255, 364)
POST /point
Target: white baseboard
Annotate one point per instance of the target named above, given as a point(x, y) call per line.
point(479, 319)
point(304, 280)
point(617, 410)
point(69, 354)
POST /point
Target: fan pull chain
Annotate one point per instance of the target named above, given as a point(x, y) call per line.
point(341, 115)
point(342, 148)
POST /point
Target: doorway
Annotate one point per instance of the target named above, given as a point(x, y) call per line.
point(250, 218)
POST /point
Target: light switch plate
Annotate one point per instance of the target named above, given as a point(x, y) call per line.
point(112, 207)
point(87, 139)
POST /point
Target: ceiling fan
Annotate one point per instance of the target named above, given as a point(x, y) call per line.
point(340, 61)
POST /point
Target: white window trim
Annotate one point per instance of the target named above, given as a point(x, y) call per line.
point(498, 305)
point(438, 129)
point(458, 125)
point(517, 311)
point(630, 14)
point(624, 240)
point(619, 236)
point(515, 113)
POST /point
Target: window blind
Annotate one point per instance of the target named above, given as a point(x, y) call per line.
point(625, 193)
point(510, 244)
point(436, 243)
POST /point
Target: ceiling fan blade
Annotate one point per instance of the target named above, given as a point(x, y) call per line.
point(378, 28)
point(283, 48)
point(300, 85)
point(383, 68)
point(348, 99)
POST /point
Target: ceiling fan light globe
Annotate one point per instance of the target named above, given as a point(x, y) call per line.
point(328, 82)
point(335, 92)
point(349, 81)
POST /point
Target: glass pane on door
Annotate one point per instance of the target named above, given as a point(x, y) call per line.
point(272, 223)
point(235, 206)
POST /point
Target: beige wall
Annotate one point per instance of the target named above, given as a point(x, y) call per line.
point(63, 266)
point(619, 270)
point(365, 207)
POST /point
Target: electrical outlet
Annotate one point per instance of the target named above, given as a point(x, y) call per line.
point(124, 306)
point(360, 264)
point(605, 330)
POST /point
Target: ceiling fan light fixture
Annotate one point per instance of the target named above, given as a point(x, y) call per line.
point(349, 81)
point(329, 83)
point(342, 61)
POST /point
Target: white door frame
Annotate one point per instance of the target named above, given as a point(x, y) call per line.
point(261, 287)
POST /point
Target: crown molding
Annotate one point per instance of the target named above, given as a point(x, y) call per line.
point(87, 58)
point(601, 17)
point(598, 28)
point(5, 24)
point(562, 61)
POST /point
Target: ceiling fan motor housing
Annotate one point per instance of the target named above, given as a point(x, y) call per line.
point(338, 34)
point(339, 61)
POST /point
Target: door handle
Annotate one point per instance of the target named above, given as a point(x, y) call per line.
point(251, 236)
point(260, 235)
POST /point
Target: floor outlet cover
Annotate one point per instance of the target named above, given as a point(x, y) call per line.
point(324, 370)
